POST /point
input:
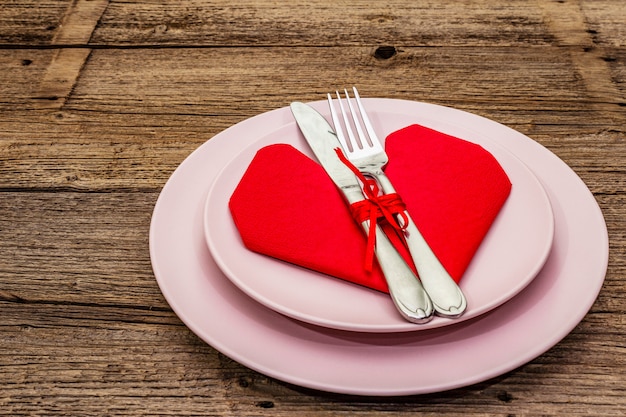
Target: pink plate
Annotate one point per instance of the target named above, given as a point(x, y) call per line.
point(512, 253)
point(372, 363)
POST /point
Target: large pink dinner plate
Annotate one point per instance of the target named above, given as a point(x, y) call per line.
point(372, 363)
point(509, 257)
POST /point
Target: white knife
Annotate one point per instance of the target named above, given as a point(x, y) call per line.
point(405, 289)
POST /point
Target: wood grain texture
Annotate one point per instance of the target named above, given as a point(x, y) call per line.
point(100, 101)
point(321, 23)
point(266, 22)
point(79, 21)
point(31, 22)
point(76, 27)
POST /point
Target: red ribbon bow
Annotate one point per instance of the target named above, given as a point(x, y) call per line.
point(373, 208)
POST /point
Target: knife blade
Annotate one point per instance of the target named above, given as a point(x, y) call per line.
point(405, 289)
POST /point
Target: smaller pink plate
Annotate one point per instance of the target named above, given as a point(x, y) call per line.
point(513, 252)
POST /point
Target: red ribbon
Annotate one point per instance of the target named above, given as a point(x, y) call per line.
point(373, 208)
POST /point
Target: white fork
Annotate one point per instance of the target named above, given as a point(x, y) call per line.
point(368, 155)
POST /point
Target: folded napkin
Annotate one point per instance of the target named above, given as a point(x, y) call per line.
point(287, 207)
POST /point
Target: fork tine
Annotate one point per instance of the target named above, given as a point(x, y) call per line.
point(347, 146)
point(355, 142)
point(371, 133)
point(364, 142)
point(357, 124)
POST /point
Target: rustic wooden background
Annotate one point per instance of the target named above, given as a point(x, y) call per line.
point(101, 100)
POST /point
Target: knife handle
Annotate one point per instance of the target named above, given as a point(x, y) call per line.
point(447, 297)
point(405, 289)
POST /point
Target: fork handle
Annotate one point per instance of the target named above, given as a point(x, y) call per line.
point(447, 297)
point(406, 291)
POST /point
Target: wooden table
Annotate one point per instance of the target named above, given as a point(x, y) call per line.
point(100, 101)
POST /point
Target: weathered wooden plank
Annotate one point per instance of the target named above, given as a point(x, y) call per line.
point(91, 152)
point(21, 73)
point(567, 23)
point(399, 22)
point(606, 22)
point(616, 59)
point(77, 248)
point(93, 361)
point(31, 22)
point(76, 27)
point(79, 21)
point(60, 77)
point(225, 80)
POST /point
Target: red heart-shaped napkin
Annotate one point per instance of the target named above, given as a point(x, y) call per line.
point(286, 206)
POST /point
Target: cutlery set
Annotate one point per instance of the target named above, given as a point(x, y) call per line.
point(359, 178)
